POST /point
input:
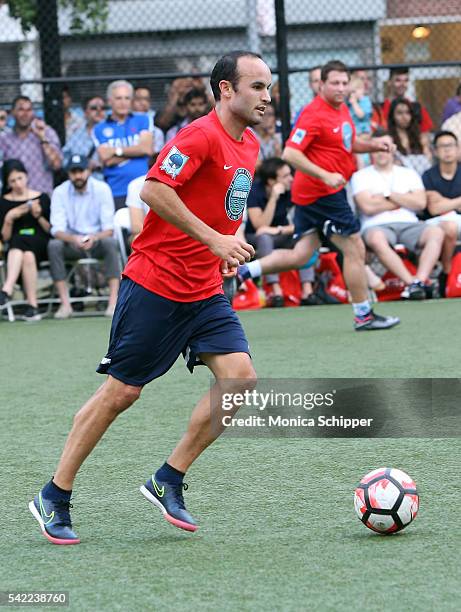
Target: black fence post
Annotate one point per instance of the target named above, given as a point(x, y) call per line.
point(282, 65)
point(50, 57)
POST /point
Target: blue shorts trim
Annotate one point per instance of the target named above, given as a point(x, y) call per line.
point(331, 215)
point(149, 332)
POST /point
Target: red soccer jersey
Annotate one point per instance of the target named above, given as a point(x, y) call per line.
point(325, 135)
point(212, 173)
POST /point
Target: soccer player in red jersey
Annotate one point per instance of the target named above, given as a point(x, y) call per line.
point(171, 299)
point(321, 148)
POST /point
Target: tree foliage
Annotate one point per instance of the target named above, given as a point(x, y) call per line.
point(87, 16)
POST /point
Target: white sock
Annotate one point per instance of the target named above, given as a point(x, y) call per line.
point(361, 308)
point(254, 268)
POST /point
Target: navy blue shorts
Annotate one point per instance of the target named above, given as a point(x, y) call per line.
point(149, 332)
point(331, 215)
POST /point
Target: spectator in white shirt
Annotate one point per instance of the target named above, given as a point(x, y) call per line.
point(389, 196)
point(82, 221)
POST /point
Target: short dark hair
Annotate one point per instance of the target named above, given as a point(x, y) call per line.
point(19, 99)
point(195, 92)
point(88, 99)
point(442, 133)
point(226, 70)
point(9, 166)
point(458, 90)
point(399, 71)
point(333, 65)
point(269, 168)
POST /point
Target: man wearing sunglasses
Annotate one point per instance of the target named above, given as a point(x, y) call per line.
point(81, 142)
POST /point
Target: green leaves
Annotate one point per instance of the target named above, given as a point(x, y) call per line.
point(87, 16)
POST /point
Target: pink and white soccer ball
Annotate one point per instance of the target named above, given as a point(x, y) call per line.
point(386, 500)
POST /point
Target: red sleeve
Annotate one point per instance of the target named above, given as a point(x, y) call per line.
point(180, 159)
point(304, 132)
point(426, 124)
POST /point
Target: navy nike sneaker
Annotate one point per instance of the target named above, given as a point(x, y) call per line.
point(54, 519)
point(372, 321)
point(168, 498)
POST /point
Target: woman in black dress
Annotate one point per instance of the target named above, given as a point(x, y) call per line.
point(24, 227)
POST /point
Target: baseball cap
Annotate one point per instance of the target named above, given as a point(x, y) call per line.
point(77, 162)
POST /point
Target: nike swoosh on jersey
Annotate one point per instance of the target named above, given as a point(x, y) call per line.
point(227, 167)
point(336, 130)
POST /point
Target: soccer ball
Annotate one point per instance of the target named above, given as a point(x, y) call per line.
point(386, 500)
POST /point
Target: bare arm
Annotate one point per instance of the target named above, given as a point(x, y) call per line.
point(370, 204)
point(143, 148)
point(14, 213)
point(136, 221)
point(413, 200)
point(164, 201)
point(300, 162)
point(374, 145)
point(438, 205)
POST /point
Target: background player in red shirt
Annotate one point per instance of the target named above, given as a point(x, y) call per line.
point(321, 148)
point(171, 299)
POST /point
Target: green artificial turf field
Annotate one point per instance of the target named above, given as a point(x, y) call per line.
point(278, 528)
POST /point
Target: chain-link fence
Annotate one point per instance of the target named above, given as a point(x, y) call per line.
point(56, 51)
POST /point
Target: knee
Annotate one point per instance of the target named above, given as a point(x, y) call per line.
point(109, 244)
point(437, 235)
point(119, 398)
point(376, 241)
point(126, 396)
point(450, 231)
point(29, 258)
point(55, 247)
point(244, 378)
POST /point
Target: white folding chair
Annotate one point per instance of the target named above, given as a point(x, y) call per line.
point(122, 221)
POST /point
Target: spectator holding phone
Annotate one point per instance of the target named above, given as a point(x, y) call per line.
point(82, 223)
point(34, 143)
point(25, 226)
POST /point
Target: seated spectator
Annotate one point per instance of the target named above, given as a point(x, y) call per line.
point(389, 196)
point(82, 215)
point(137, 207)
point(73, 121)
point(81, 142)
point(452, 106)
point(142, 104)
point(196, 105)
point(404, 130)
point(398, 86)
point(270, 141)
point(25, 226)
point(123, 141)
point(268, 227)
point(443, 186)
point(34, 143)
